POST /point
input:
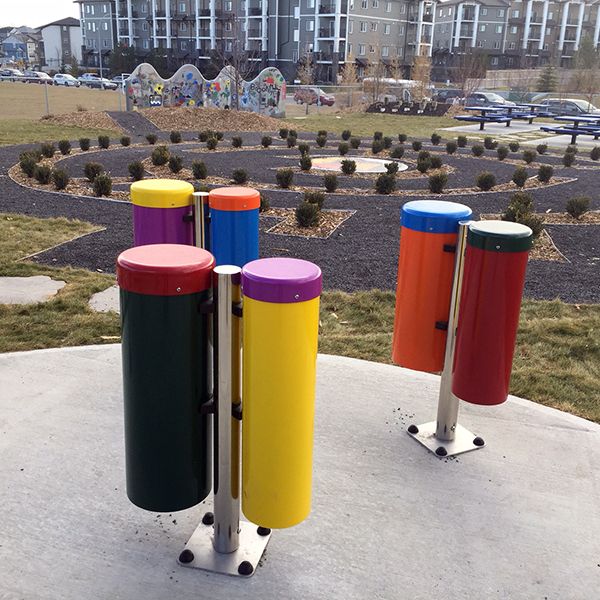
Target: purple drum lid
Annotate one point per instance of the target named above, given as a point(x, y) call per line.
point(281, 280)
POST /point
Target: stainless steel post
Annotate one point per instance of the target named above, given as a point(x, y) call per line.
point(226, 394)
point(199, 218)
point(447, 416)
point(46, 96)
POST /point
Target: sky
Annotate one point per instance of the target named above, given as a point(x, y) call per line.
point(34, 13)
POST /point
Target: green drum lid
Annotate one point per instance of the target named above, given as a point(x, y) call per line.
point(500, 236)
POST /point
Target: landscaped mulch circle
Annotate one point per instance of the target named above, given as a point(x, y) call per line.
point(86, 120)
point(329, 221)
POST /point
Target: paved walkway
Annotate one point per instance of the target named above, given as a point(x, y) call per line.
point(516, 520)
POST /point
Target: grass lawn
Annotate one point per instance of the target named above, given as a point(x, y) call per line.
point(14, 131)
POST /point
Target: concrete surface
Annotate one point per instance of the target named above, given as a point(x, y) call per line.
point(516, 127)
point(28, 290)
point(584, 142)
point(106, 301)
point(516, 520)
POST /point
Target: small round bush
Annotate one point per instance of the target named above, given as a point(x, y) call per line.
point(35, 154)
point(387, 142)
point(28, 164)
point(204, 135)
point(175, 163)
point(520, 204)
point(42, 174)
point(136, 170)
point(125, 140)
point(343, 148)
point(436, 138)
point(218, 135)
point(514, 146)
point(542, 148)
point(314, 197)
point(47, 149)
point(91, 170)
point(423, 155)
point(451, 147)
point(284, 177)
point(391, 168)
point(291, 140)
point(385, 184)
point(436, 162)
point(321, 141)
point(378, 135)
point(346, 134)
point(330, 182)
point(307, 215)
point(502, 152)
point(355, 143)
point(303, 148)
point(236, 141)
point(322, 133)
point(240, 176)
point(402, 137)
point(293, 133)
point(397, 152)
point(595, 153)
point(305, 162)
point(545, 173)
point(266, 141)
point(423, 165)
point(103, 142)
point(160, 156)
point(461, 140)
point(102, 185)
point(568, 159)
point(477, 150)
point(437, 182)
point(264, 203)
point(520, 176)
point(283, 133)
point(571, 149)
point(199, 170)
point(84, 144)
point(348, 167)
point(60, 179)
point(416, 145)
point(151, 138)
point(489, 143)
point(175, 137)
point(485, 181)
point(529, 156)
point(534, 223)
point(211, 143)
point(65, 147)
point(376, 146)
point(578, 206)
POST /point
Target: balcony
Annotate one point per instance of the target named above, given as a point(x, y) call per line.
point(326, 33)
point(468, 15)
point(428, 18)
point(466, 32)
point(204, 32)
point(204, 12)
point(254, 12)
point(327, 9)
point(254, 33)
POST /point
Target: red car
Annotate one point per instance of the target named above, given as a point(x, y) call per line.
point(313, 95)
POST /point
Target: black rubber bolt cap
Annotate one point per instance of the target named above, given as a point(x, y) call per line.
point(441, 451)
point(413, 429)
point(245, 568)
point(208, 518)
point(478, 441)
point(263, 531)
point(187, 556)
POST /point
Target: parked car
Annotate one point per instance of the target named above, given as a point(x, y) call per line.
point(85, 77)
point(313, 95)
point(37, 77)
point(486, 99)
point(569, 106)
point(119, 79)
point(11, 74)
point(92, 80)
point(66, 80)
point(447, 95)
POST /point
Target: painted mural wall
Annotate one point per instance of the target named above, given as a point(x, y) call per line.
point(265, 94)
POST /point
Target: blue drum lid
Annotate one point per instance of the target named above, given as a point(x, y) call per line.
point(434, 216)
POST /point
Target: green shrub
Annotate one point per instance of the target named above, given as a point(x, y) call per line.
point(423, 154)
point(514, 146)
point(47, 149)
point(321, 141)
point(42, 174)
point(307, 215)
point(387, 142)
point(397, 152)
point(568, 159)
point(385, 184)
point(236, 141)
point(346, 134)
point(160, 156)
point(102, 185)
point(314, 197)
point(303, 148)
point(451, 147)
point(391, 168)
point(293, 133)
point(199, 170)
point(330, 182)
point(541, 148)
point(595, 153)
point(204, 135)
point(200, 187)
point(291, 140)
point(264, 203)
point(322, 133)
point(136, 170)
point(571, 149)
point(175, 163)
point(519, 205)
point(423, 165)
point(502, 152)
point(65, 147)
point(343, 148)
point(461, 140)
point(477, 150)
point(218, 135)
point(402, 137)
point(266, 141)
point(534, 223)
point(436, 162)
point(578, 206)
point(151, 138)
point(84, 144)
point(545, 173)
point(284, 177)
point(27, 164)
point(125, 141)
point(240, 176)
point(489, 143)
point(485, 181)
point(348, 167)
point(212, 143)
point(91, 170)
point(355, 143)
point(529, 156)
point(283, 133)
point(437, 182)
point(416, 145)
point(60, 179)
point(436, 138)
point(520, 176)
point(103, 141)
point(305, 162)
point(35, 154)
point(378, 135)
point(376, 146)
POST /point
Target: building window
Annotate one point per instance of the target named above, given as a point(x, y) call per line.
point(498, 28)
point(501, 12)
point(387, 29)
point(551, 15)
point(310, 25)
point(144, 8)
point(228, 26)
point(105, 26)
point(400, 51)
point(92, 8)
point(349, 49)
point(296, 35)
point(105, 43)
point(311, 3)
point(228, 6)
point(496, 45)
point(183, 26)
point(295, 56)
point(548, 30)
point(513, 29)
point(482, 28)
point(145, 26)
point(401, 30)
point(371, 49)
point(364, 4)
point(441, 13)
point(494, 61)
point(145, 44)
point(183, 44)
point(515, 14)
point(351, 26)
point(388, 7)
point(351, 4)
point(450, 12)
point(228, 46)
point(87, 9)
point(512, 45)
point(484, 12)
point(373, 26)
point(104, 8)
point(402, 8)
point(385, 51)
point(375, 3)
point(361, 49)
point(89, 26)
point(363, 26)
point(545, 46)
point(182, 7)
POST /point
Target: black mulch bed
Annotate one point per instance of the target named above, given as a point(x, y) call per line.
point(361, 254)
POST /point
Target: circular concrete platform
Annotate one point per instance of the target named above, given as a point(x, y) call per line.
point(515, 520)
point(363, 165)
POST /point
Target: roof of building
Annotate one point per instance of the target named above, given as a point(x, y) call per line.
point(69, 21)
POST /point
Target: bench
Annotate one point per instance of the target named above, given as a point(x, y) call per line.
point(487, 119)
point(584, 130)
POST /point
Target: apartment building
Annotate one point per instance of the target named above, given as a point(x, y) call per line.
point(280, 33)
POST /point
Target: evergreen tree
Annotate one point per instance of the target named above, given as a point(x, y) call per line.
point(547, 81)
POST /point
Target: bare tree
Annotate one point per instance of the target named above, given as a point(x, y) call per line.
point(349, 72)
point(586, 79)
point(374, 82)
point(470, 71)
point(421, 74)
point(306, 69)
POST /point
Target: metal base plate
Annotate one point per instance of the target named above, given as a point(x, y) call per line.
point(205, 557)
point(464, 440)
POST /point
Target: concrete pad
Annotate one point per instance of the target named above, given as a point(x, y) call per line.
point(28, 290)
point(515, 520)
point(106, 301)
point(562, 141)
point(498, 129)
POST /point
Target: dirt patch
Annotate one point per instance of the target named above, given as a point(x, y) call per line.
point(591, 217)
point(329, 221)
point(198, 119)
point(87, 120)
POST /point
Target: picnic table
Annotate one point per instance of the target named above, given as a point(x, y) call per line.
point(581, 125)
point(498, 115)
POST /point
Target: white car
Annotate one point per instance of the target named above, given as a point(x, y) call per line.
point(66, 80)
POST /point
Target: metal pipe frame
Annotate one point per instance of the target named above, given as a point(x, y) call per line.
point(200, 199)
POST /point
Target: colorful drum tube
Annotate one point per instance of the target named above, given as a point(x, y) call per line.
point(488, 317)
point(281, 322)
point(425, 270)
point(162, 212)
point(234, 225)
point(165, 344)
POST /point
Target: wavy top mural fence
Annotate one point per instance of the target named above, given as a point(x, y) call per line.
point(265, 94)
